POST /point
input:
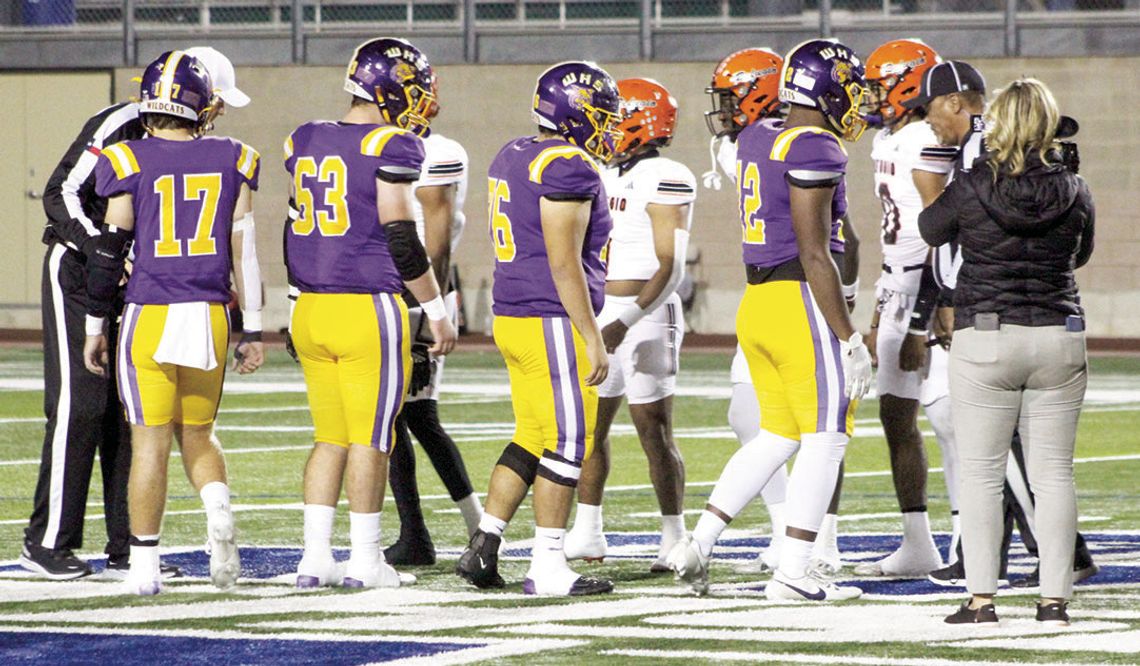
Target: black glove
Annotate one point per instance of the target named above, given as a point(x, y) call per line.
point(423, 365)
point(290, 348)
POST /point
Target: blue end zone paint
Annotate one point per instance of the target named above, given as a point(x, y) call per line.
point(58, 648)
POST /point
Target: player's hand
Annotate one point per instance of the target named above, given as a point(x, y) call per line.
point(613, 333)
point(856, 366)
point(912, 354)
point(422, 368)
point(872, 346)
point(943, 326)
point(95, 354)
point(599, 361)
point(444, 334)
point(290, 348)
point(248, 356)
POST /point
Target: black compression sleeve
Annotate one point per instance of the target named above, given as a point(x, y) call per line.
point(925, 301)
point(407, 251)
point(105, 270)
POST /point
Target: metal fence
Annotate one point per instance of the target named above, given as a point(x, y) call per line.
point(297, 18)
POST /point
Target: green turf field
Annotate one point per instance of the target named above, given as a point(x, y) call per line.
point(264, 425)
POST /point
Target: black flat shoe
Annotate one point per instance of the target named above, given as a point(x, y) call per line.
point(966, 615)
point(1055, 614)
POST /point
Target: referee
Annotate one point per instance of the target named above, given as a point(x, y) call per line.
point(82, 409)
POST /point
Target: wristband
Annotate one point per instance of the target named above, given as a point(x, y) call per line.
point(631, 315)
point(435, 309)
point(249, 336)
point(94, 325)
point(251, 321)
point(850, 290)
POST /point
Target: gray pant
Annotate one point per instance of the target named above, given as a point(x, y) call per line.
point(1032, 379)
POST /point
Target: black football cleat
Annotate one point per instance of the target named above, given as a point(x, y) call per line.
point(479, 564)
point(57, 564)
point(951, 575)
point(585, 586)
point(411, 552)
point(986, 614)
point(1033, 580)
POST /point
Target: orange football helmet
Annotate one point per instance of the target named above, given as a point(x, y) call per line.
point(894, 75)
point(745, 88)
point(649, 115)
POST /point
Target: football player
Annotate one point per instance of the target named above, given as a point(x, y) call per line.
point(352, 250)
point(650, 199)
point(438, 204)
point(811, 369)
point(180, 196)
point(745, 88)
point(910, 172)
point(550, 226)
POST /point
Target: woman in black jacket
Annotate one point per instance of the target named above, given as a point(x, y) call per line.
point(1023, 223)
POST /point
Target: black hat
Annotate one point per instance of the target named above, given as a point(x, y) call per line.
point(944, 78)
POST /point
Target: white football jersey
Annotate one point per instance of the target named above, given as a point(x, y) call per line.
point(896, 155)
point(726, 156)
point(445, 163)
point(651, 180)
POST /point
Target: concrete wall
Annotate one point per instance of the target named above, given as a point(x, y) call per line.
point(483, 106)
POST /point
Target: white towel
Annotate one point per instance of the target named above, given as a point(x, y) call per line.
point(187, 337)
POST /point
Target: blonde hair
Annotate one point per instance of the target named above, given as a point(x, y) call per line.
point(1022, 118)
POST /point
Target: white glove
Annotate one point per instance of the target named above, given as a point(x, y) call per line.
point(856, 366)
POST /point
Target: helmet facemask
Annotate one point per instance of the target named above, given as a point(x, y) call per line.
point(726, 118)
point(419, 104)
point(845, 115)
point(605, 138)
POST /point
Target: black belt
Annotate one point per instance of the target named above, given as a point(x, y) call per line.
point(903, 269)
point(791, 270)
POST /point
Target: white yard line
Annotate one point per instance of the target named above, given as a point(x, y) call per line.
point(791, 658)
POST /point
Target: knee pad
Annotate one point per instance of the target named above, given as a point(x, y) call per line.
point(520, 461)
point(556, 469)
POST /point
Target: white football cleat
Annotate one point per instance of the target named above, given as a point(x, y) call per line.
point(316, 571)
point(807, 588)
point(689, 565)
point(142, 587)
point(583, 545)
point(225, 562)
point(908, 561)
point(378, 574)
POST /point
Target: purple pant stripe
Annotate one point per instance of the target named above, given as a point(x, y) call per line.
point(821, 387)
point(379, 423)
point(132, 390)
point(398, 360)
point(844, 401)
point(548, 334)
point(576, 390)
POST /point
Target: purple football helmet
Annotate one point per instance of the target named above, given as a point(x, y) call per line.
point(579, 101)
point(177, 84)
point(826, 75)
point(397, 77)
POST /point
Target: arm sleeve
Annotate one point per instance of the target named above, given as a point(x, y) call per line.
point(1085, 249)
point(566, 175)
point(401, 158)
point(676, 186)
point(445, 163)
point(69, 200)
point(816, 159)
point(938, 222)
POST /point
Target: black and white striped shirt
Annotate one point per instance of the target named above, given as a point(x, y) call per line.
point(74, 211)
point(947, 259)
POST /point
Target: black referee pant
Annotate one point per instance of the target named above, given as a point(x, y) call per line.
point(83, 416)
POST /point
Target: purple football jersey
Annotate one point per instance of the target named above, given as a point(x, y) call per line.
point(336, 244)
point(766, 152)
point(525, 171)
point(184, 193)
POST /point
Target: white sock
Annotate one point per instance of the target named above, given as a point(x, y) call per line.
point(588, 518)
point(547, 553)
point(916, 528)
point(364, 534)
point(144, 559)
point(955, 536)
point(794, 556)
point(707, 531)
point(318, 530)
point(826, 539)
point(492, 525)
point(215, 498)
point(779, 525)
point(472, 511)
point(672, 531)
point(812, 481)
point(749, 470)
